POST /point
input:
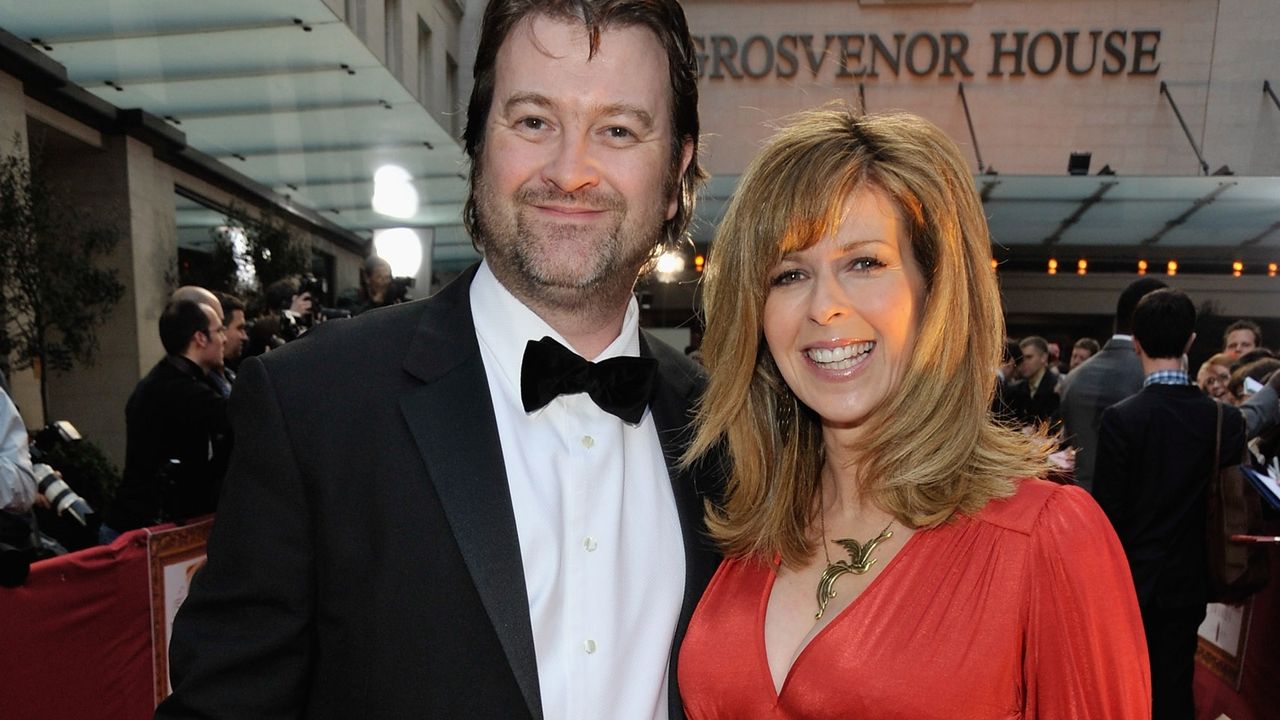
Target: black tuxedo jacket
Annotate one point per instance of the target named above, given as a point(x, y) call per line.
point(365, 561)
point(1155, 454)
point(1031, 409)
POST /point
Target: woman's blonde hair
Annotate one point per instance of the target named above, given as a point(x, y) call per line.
point(932, 448)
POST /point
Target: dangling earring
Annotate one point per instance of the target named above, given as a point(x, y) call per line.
point(788, 408)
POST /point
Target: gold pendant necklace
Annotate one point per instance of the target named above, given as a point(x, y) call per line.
point(859, 563)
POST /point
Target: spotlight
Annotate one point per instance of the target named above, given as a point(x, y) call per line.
point(1142, 267)
point(698, 262)
point(668, 266)
point(1173, 267)
point(1082, 266)
point(1237, 268)
point(1053, 266)
point(1271, 269)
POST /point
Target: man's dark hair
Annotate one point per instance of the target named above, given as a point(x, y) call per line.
point(230, 303)
point(179, 321)
point(1088, 344)
point(280, 293)
point(1249, 325)
point(1129, 300)
point(1012, 351)
point(1040, 343)
point(1163, 323)
point(665, 18)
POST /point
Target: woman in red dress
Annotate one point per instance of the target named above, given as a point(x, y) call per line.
point(889, 552)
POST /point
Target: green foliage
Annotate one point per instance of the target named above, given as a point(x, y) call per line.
point(274, 250)
point(53, 290)
point(87, 470)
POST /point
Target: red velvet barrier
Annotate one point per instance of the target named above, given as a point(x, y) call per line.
point(79, 639)
point(77, 636)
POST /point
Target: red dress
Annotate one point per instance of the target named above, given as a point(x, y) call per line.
point(1024, 610)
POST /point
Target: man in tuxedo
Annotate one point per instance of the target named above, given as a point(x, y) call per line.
point(1103, 380)
point(1034, 399)
point(1156, 453)
point(442, 508)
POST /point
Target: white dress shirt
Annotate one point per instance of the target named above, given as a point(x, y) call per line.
point(599, 535)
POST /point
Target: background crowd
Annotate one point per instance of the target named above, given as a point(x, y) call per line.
point(1145, 439)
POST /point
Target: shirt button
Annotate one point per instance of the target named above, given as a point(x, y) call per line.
point(588, 441)
point(589, 646)
point(590, 544)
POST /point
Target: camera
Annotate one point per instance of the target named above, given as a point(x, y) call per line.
point(64, 500)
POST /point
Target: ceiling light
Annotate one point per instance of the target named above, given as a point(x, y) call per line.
point(393, 193)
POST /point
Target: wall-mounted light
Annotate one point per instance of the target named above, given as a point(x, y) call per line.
point(1082, 266)
point(1237, 268)
point(698, 262)
point(1078, 163)
point(1271, 269)
point(1053, 266)
point(1142, 267)
point(994, 264)
point(1173, 267)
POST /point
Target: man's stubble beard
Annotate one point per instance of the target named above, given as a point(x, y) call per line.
point(527, 256)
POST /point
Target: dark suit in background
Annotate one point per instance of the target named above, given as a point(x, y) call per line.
point(365, 560)
point(174, 414)
point(1103, 380)
point(1029, 409)
point(1155, 456)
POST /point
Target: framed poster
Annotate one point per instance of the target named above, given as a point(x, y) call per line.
point(1224, 635)
point(175, 554)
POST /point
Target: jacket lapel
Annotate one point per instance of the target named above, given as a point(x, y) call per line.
point(672, 407)
point(452, 421)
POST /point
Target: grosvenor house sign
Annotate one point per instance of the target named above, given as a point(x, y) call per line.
point(858, 56)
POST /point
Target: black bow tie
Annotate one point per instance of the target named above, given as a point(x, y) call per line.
point(621, 386)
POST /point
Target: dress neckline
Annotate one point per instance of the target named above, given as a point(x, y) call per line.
point(762, 650)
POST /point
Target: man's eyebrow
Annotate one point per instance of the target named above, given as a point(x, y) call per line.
point(527, 98)
point(635, 112)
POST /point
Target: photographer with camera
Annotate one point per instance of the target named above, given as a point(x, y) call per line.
point(378, 287)
point(17, 475)
point(290, 307)
point(24, 484)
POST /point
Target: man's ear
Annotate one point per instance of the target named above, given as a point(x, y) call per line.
point(1190, 341)
point(1137, 347)
point(686, 157)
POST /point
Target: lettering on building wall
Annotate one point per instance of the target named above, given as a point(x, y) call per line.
point(1005, 53)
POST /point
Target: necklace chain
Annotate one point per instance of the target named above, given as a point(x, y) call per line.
point(859, 562)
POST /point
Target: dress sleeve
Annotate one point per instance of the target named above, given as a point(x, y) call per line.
point(1085, 654)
